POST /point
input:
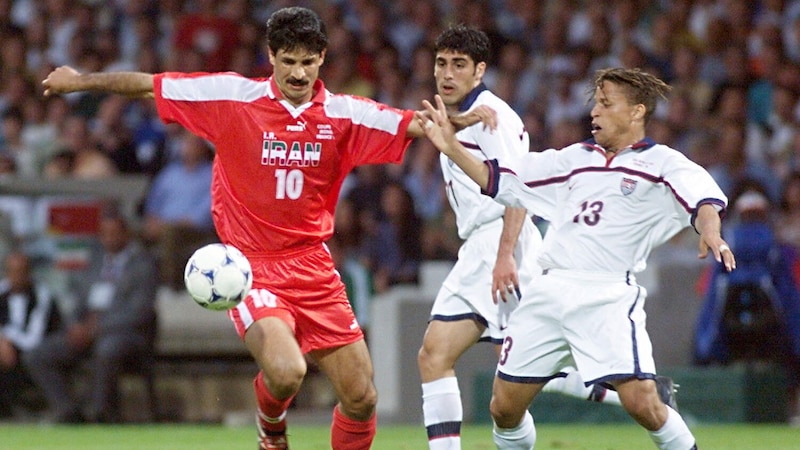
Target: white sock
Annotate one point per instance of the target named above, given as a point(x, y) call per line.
point(442, 412)
point(572, 385)
point(674, 435)
point(521, 437)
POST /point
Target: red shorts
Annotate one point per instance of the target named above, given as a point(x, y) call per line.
point(305, 291)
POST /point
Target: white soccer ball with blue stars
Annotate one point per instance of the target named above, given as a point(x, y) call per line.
point(218, 276)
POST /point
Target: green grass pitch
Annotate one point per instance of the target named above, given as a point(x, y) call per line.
point(389, 437)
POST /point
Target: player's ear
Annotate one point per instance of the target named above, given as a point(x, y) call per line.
point(480, 69)
point(322, 56)
point(639, 111)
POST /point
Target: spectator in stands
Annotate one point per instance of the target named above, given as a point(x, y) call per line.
point(79, 156)
point(28, 312)
point(712, 61)
point(357, 280)
point(439, 237)
point(685, 60)
point(341, 64)
point(391, 245)
point(39, 136)
point(113, 327)
point(181, 191)
point(733, 165)
point(777, 135)
point(423, 180)
point(14, 90)
point(149, 139)
point(205, 31)
point(753, 313)
point(177, 210)
point(363, 188)
point(107, 129)
point(789, 214)
point(11, 145)
point(12, 52)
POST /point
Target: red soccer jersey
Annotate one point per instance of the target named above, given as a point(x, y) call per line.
point(278, 168)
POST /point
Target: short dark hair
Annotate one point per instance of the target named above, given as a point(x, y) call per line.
point(296, 27)
point(463, 39)
point(640, 87)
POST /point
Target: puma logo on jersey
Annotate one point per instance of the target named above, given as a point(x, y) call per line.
point(301, 126)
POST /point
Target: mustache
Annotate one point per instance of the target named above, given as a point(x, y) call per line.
point(297, 82)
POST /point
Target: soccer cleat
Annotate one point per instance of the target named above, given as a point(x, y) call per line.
point(271, 432)
point(666, 390)
point(268, 442)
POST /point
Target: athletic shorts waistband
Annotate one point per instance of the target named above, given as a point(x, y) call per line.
point(588, 275)
point(287, 254)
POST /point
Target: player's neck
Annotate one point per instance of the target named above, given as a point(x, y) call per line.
point(624, 142)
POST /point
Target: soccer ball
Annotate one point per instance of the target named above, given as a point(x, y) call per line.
point(218, 276)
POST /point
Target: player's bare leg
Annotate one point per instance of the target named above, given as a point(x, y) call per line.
point(350, 371)
point(513, 424)
point(574, 386)
point(442, 346)
point(275, 349)
point(666, 427)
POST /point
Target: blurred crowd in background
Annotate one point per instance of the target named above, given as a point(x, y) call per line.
point(734, 66)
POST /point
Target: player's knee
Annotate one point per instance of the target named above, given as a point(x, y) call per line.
point(503, 413)
point(360, 403)
point(425, 360)
point(284, 380)
point(432, 363)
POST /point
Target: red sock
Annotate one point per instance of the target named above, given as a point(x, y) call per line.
point(271, 410)
point(349, 434)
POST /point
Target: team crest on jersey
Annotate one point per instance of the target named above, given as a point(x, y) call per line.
point(627, 186)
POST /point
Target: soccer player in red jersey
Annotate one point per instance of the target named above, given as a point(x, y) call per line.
point(284, 145)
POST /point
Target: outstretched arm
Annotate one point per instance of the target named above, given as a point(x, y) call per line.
point(708, 225)
point(65, 79)
point(442, 134)
point(482, 113)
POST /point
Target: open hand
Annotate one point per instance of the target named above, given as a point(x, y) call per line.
point(482, 113)
point(436, 124)
point(721, 250)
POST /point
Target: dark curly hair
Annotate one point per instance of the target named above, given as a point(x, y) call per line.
point(296, 27)
point(463, 39)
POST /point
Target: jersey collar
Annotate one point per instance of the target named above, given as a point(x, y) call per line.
point(319, 88)
point(471, 97)
point(644, 144)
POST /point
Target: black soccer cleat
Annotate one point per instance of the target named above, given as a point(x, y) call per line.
point(666, 389)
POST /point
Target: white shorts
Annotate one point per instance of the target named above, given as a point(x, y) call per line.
point(592, 321)
point(467, 291)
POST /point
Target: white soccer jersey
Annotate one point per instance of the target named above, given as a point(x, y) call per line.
point(509, 141)
point(609, 214)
